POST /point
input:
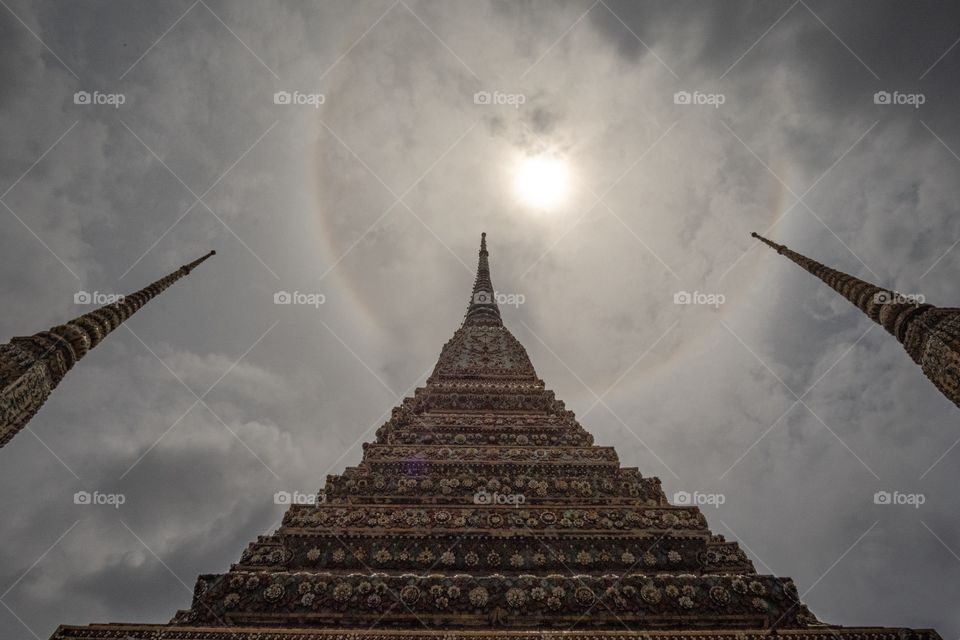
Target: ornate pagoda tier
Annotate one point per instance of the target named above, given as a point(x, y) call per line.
point(483, 510)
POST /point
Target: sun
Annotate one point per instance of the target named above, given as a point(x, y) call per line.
point(542, 181)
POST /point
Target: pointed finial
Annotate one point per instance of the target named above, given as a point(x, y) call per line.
point(187, 268)
point(769, 243)
point(483, 304)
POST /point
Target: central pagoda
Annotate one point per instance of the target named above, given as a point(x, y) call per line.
point(483, 510)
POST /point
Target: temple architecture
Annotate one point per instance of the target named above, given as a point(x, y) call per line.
point(31, 366)
point(931, 335)
point(484, 511)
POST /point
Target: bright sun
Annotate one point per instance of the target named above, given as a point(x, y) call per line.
point(542, 181)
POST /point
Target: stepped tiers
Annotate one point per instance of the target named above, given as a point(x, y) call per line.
point(931, 335)
point(31, 366)
point(484, 511)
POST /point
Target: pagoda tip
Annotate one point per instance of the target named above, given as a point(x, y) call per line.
point(187, 268)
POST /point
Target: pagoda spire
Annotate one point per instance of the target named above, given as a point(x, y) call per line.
point(930, 335)
point(32, 366)
point(483, 309)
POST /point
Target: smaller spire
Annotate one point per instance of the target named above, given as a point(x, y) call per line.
point(876, 302)
point(31, 366)
point(483, 307)
point(930, 335)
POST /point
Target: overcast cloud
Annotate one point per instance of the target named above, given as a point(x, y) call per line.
point(376, 200)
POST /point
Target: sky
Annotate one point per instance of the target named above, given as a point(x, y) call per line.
point(366, 195)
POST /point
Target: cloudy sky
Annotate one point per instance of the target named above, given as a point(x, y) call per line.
point(784, 399)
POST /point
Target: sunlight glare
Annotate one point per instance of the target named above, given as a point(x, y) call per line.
point(542, 181)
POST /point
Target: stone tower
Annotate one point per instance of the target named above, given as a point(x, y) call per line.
point(931, 335)
point(31, 366)
point(483, 511)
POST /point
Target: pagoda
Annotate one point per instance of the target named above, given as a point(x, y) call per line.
point(32, 366)
point(930, 335)
point(484, 511)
